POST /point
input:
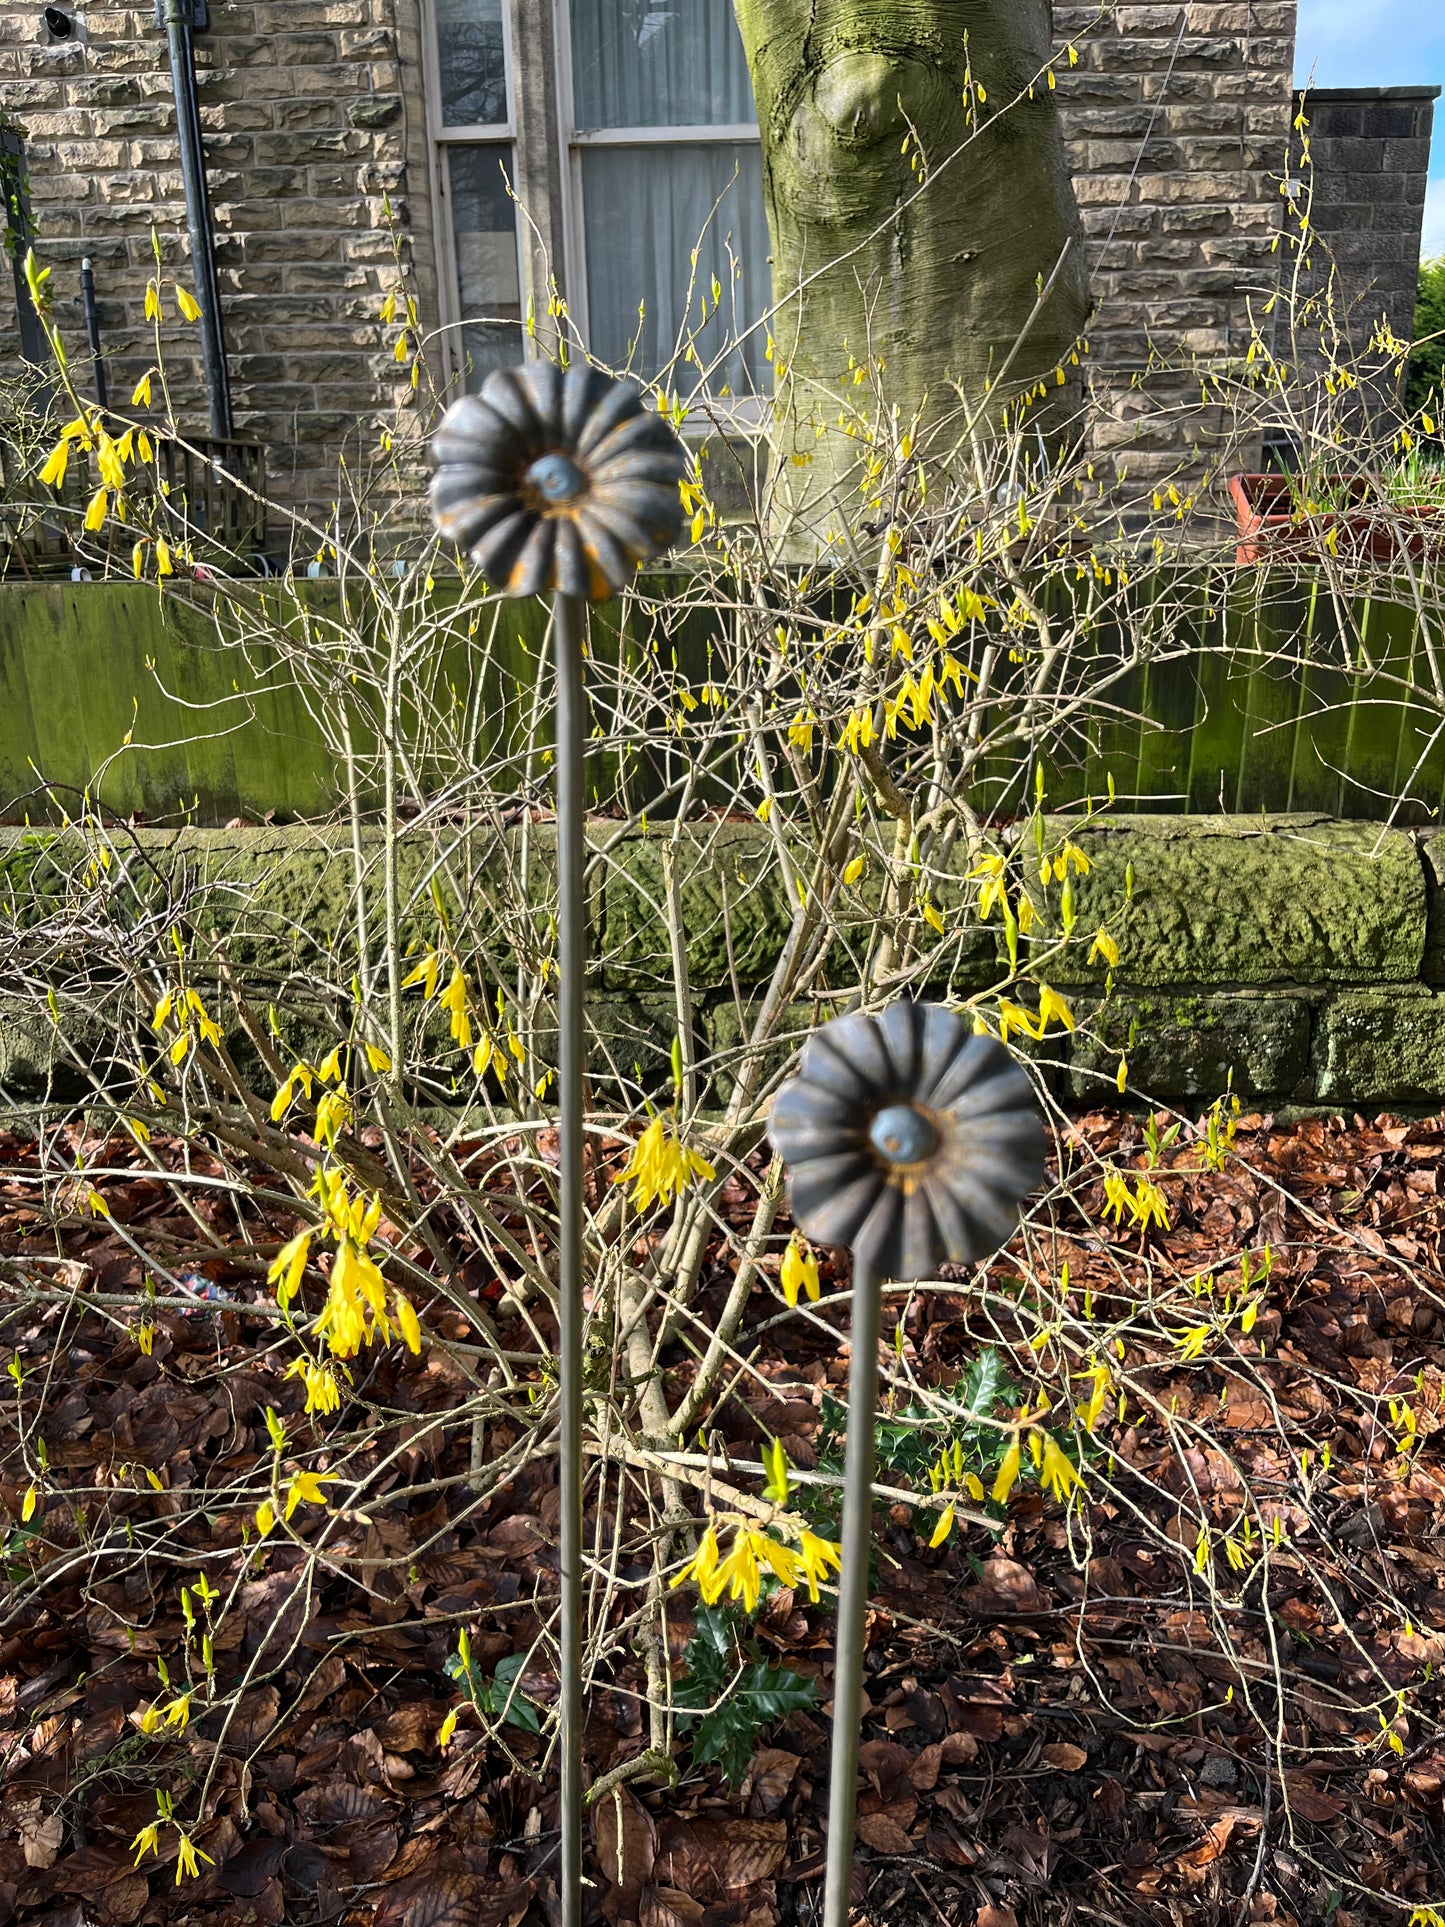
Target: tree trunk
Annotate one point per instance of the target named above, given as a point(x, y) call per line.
point(931, 270)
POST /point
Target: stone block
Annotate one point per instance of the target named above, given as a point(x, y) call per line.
point(1240, 901)
point(1179, 1044)
point(734, 905)
point(1384, 122)
point(726, 1037)
point(1380, 1046)
point(1407, 157)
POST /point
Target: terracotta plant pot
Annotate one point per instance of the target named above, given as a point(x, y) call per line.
point(1273, 527)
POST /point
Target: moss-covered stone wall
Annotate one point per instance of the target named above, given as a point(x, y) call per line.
point(1299, 958)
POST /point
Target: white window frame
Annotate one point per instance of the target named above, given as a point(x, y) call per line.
point(576, 139)
point(440, 138)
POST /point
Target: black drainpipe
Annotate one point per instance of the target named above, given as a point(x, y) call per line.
point(179, 17)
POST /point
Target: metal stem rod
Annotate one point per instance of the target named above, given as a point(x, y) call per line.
point(857, 1545)
point(177, 17)
point(568, 620)
point(92, 333)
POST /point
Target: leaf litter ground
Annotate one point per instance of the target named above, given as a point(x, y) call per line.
point(1069, 1717)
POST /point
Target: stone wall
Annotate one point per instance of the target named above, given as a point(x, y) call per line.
point(1299, 959)
point(1369, 162)
point(312, 114)
point(1177, 122)
point(1304, 954)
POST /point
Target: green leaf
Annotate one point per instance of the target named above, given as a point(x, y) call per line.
point(726, 1736)
point(773, 1692)
point(732, 1706)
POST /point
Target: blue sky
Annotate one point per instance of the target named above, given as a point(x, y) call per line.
point(1381, 43)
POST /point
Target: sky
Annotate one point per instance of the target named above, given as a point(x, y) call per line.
point(1381, 43)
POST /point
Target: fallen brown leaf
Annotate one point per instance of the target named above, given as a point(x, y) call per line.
point(667, 1907)
point(883, 1834)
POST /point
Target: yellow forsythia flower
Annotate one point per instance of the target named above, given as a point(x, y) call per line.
point(799, 1271)
point(187, 1850)
point(1052, 1008)
point(454, 1001)
point(816, 1556)
point(287, 1267)
point(96, 511)
point(141, 398)
point(1013, 1016)
point(943, 1528)
point(1008, 1473)
point(992, 870)
point(447, 1730)
point(305, 1489)
point(407, 1322)
point(1057, 1475)
point(660, 1167)
point(323, 1394)
point(53, 473)
point(188, 304)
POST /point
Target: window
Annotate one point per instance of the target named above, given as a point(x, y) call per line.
point(638, 126)
point(665, 160)
point(472, 127)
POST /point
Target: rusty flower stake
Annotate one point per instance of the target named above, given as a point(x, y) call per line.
point(562, 481)
point(909, 1139)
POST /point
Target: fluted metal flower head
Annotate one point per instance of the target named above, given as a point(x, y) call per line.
point(909, 1139)
point(557, 479)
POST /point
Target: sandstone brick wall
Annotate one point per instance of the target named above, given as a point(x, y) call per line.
point(312, 113)
point(1176, 116)
point(1177, 124)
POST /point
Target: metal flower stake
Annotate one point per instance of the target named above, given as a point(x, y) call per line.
point(562, 481)
point(909, 1139)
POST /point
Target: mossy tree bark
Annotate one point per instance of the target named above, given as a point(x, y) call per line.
point(933, 270)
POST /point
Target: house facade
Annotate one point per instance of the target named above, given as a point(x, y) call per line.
point(496, 154)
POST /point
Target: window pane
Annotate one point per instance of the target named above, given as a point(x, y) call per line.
point(471, 62)
point(658, 63)
point(484, 220)
point(646, 209)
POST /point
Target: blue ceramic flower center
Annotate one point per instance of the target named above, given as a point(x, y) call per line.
point(556, 478)
point(902, 1135)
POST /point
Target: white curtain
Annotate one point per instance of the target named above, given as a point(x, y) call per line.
point(646, 210)
point(658, 63)
point(484, 222)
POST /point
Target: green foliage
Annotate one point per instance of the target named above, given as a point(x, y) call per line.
point(732, 1691)
point(912, 1440)
point(1426, 376)
point(500, 1697)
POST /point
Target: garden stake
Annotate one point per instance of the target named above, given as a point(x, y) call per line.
point(563, 481)
point(909, 1138)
